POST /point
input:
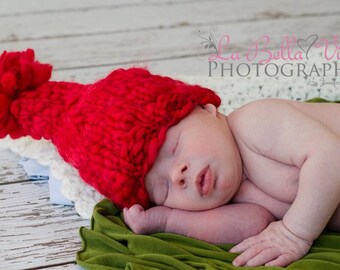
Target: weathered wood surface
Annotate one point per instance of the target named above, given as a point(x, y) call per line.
point(157, 31)
point(109, 18)
point(33, 232)
point(10, 169)
point(84, 40)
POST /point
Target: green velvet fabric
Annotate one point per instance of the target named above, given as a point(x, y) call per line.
point(109, 244)
point(322, 100)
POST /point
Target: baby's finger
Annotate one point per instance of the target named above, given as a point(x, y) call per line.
point(130, 214)
point(264, 257)
point(126, 216)
point(252, 253)
point(244, 245)
point(281, 261)
point(136, 209)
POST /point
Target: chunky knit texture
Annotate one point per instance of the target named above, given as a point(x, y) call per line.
point(18, 74)
point(110, 131)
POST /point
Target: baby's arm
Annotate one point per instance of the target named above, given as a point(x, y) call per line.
point(288, 135)
point(225, 224)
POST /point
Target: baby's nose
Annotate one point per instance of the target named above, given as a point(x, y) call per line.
point(180, 174)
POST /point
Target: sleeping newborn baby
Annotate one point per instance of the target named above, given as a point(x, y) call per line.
point(267, 174)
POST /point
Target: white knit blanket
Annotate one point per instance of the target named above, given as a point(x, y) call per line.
point(234, 93)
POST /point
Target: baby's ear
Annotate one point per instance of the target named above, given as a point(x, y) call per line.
point(210, 108)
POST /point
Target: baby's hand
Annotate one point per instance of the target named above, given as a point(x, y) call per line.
point(146, 222)
point(275, 246)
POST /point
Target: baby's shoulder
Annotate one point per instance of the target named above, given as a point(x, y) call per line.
point(273, 115)
point(259, 107)
point(284, 130)
point(260, 116)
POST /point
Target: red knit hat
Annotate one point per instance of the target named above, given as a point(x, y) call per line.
point(110, 131)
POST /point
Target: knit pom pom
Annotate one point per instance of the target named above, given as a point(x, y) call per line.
point(18, 73)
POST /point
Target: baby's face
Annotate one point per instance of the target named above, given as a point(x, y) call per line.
point(199, 166)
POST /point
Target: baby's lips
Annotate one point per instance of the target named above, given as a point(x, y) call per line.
point(204, 181)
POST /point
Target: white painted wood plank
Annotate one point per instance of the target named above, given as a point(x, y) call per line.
point(164, 15)
point(148, 47)
point(11, 8)
point(65, 267)
point(93, 21)
point(34, 232)
point(10, 170)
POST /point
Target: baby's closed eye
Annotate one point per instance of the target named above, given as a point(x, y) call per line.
point(175, 147)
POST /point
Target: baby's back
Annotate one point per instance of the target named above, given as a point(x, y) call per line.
point(271, 172)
